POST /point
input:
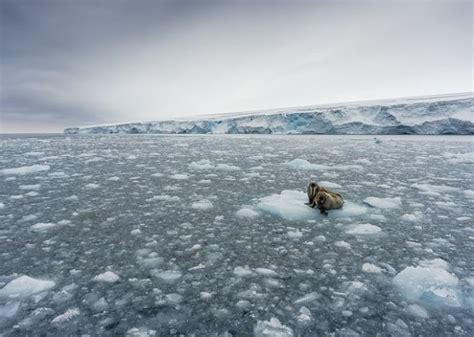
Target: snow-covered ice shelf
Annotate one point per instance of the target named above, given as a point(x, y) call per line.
point(442, 114)
point(209, 236)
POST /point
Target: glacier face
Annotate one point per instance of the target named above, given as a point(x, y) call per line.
point(447, 114)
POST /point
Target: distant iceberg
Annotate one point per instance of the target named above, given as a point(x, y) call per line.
point(430, 115)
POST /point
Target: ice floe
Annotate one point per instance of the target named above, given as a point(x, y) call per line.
point(25, 286)
point(272, 328)
point(363, 229)
point(25, 170)
point(203, 204)
point(384, 203)
point(107, 277)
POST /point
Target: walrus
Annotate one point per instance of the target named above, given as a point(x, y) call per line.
point(327, 201)
point(312, 190)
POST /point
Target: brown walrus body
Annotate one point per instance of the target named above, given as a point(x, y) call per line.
point(327, 201)
point(313, 190)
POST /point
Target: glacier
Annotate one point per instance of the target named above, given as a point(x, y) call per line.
point(428, 115)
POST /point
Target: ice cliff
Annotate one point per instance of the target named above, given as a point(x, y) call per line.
point(442, 114)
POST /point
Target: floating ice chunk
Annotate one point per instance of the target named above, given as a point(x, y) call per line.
point(342, 244)
point(92, 186)
point(141, 332)
point(434, 189)
point(29, 217)
point(266, 272)
point(2, 205)
point(42, 226)
point(157, 175)
point(469, 193)
point(242, 272)
point(418, 310)
point(135, 231)
point(288, 205)
point(204, 295)
point(301, 164)
point(178, 176)
point(329, 184)
point(363, 229)
point(431, 285)
point(246, 213)
point(25, 170)
point(32, 194)
point(272, 328)
point(67, 316)
point(168, 276)
point(384, 203)
point(25, 286)
point(30, 187)
point(115, 178)
point(203, 204)
point(203, 164)
point(174, 298)
point(414, 217)
point(296, 234)
point(435, 263)
point(304, 316)
point(226, 167)
point(371, 268)
point(308, 298)
point(9, 309)
point(108, 277)
point(165, 197)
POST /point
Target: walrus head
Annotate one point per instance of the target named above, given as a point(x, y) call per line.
point(313, 189)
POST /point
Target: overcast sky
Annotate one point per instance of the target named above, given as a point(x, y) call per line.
point(80, 62)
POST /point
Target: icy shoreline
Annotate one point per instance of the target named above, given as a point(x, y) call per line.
point(449, 114)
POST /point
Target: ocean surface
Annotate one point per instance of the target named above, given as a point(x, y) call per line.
point(208, 235)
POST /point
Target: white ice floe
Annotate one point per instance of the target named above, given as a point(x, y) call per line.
point(25, 286)
point(108, 277)
point(179, 176)
point(169, 276)
point(296, 234)
point(246, 213)
point(371, 268)
point(342, 244)
point(2, 205)
point(266, 272)
point(301, 164)
point(384, 203)
point(290, 205)
point(434, 189)
point(9, 309)
point(30, 187)
point(308, 298)
point(205, 164)
point(66, 316)
point(165, 197)
point(430, 283)
point(25, 170)
point(114, 178)
point(42, 226)
point(243, 272)
point(92, 186)
point(363, 229)
point(203, 204)
point(272, 328)
point(418, 310)
point(141, 332)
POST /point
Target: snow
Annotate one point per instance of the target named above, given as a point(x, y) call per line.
point(23, 170)
point(107, 277)
point(25, 286)
point(363, 229)
point(272, 328)
point(384, 203)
